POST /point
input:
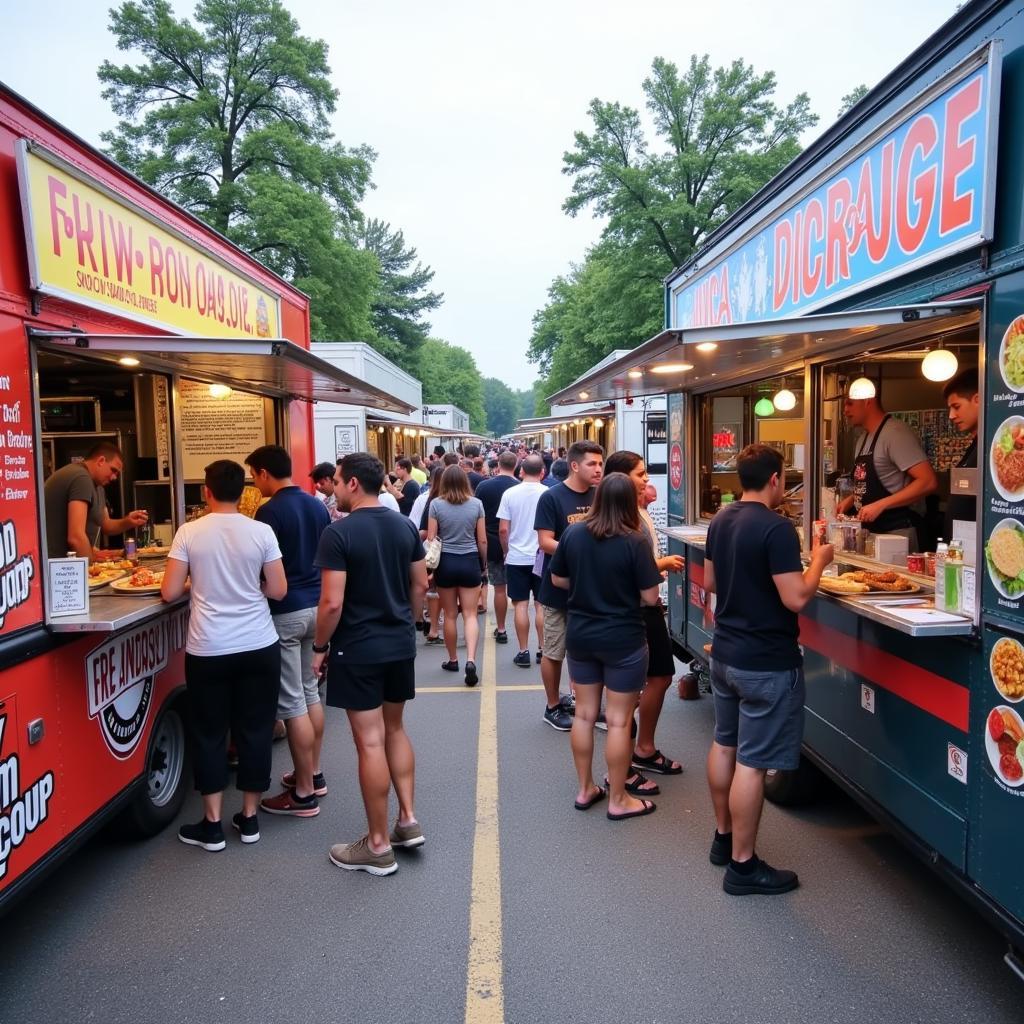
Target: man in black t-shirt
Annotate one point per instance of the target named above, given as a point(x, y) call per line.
point(559, 507)
point(489, 492)
point(373, 576)
point(407, 490)
point(752, 563)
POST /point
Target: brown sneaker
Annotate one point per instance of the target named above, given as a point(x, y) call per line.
point(288, 803)
point(358, 856)
point(407, 836)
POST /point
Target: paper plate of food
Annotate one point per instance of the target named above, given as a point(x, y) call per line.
point(142, 581)
point(1004, 744)
point(100, 575)
point(1006, 459)
point(154, 551)
point(883, 582)
point(1004, 556)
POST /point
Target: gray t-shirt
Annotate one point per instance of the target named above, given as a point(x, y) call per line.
point(456, 525)
point(71, 483)
point(897, 449)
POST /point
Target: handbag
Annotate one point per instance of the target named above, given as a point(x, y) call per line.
point(432, 553)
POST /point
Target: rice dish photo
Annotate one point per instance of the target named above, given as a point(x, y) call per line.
point(1007, 458)
point(1004, 554)
point(1011, 354)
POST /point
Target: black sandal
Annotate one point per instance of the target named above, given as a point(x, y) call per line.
point(657, 763)
point(633, 788)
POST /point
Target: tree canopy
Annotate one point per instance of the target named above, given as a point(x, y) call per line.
point(718, 136)
point(450, 377)
point(501, 404)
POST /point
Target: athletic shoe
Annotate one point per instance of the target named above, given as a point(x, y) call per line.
point(319, 782)
point(501, 636)
point(435, 641)
point(522, 659)
point(248, 827)
point(558, 718)
point(721, 849)
point(568, 702)
point(450, 666)
point(358, 856)
point(471, 677)
point(601, 722)
point(763, 880)
point(207, 834)
point(540, 655)
point(407, 836)
point(289, 802)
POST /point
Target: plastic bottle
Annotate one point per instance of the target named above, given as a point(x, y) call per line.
point(954, 576)
point(941, 552)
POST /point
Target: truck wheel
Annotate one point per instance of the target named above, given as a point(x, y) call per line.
point(788, 789)
point(160, 799)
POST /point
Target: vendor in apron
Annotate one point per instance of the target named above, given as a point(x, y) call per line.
point(891, 472)
point(963, 402)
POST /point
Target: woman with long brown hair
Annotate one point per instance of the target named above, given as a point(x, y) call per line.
point(646, 756)
point(458, 519)
point(433, 620)
point(607, 566)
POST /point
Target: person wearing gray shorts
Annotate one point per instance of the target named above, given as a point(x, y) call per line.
point(752, 563)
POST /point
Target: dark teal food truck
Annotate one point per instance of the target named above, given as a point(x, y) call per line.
point(875, 273)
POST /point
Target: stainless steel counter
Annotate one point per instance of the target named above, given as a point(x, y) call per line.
point(110, 613)
point(696, 536)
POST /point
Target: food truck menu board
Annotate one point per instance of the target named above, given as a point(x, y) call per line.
point(212, 428)
point(20, 588)
point(676, 447)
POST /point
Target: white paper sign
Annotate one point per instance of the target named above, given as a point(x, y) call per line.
point(68, 590)
point(217, 428)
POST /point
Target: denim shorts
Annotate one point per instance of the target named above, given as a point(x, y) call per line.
point(759, 713)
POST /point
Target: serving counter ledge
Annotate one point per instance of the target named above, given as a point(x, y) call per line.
point(110, 613)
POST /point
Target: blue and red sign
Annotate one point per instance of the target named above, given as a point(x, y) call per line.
point(923, 190)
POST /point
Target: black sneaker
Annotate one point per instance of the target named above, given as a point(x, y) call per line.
point(558, 718)
point(471, 677)
point(450, 666)
point(540, 655)
point(522, 659)
point(568, 703)
point(207, 834)
point(764, 880)
point(721, 849)
point(500, 636)
point(248, 828)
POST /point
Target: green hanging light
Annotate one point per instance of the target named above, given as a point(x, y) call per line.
point(764, 407)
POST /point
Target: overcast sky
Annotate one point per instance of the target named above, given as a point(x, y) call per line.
point(470, 106)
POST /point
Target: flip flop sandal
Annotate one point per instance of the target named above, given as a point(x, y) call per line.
point(657, 763)
point(595, 799)
point(649, 807)
point(634, 787)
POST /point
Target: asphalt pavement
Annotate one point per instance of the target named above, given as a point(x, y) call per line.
point(600, 921)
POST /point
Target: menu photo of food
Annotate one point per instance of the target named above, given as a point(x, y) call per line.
point(1011, 355)
point(1006, 459)
point(1006, 664)
point(1004, 744)
point(1004, 556)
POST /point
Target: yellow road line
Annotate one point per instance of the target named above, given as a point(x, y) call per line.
point(485, 998)
point(446, 689)
point(519, 689)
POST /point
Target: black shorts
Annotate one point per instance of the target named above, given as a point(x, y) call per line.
point(366, 687)
point(458, 571)
point(522, 582)
point(659, 646)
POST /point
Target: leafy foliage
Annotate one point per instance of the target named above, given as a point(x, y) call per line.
point(450, 376)
point(855, 95)
point(501, 405)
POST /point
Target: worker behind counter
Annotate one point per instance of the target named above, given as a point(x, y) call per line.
point(891, 472)
point(76, 504)
point(963, 401)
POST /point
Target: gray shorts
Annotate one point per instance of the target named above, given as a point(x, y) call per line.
point(299, 687)
point(759, 713)
point(496, 574)
point(555, 623)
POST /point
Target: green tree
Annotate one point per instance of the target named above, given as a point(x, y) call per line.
point(501, 404)
point(228, 116)
point(855, 95)
point(450, 377)
point(402, 297)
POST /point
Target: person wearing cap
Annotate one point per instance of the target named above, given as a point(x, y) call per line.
point(322, 476)
point(891, 472)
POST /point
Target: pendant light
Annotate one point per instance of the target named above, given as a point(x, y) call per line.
point(784, 400)
point(764, 406)
point(862, 388)
point(940, 364)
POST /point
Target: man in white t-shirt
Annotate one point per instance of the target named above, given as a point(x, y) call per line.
point(232, 654)
point(519, 542)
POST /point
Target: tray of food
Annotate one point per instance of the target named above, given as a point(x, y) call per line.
point(883, 582)
point(142, 581)
point(102, 573)
point(154, 551)
point(842, 587)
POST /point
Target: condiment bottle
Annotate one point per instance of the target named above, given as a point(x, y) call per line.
point(941, 551)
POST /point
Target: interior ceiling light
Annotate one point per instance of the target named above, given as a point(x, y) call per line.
point(219, 391)
point(939, 365)
point(598, 422)
point(380, 430)
point(764, 407)
point(672, 368)
point(707, 346)
point(635, 374)
point(784, 400)
point(862, 388)
point(128, 361)
point(584, 395)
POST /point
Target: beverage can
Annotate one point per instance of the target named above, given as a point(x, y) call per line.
point(130, 549)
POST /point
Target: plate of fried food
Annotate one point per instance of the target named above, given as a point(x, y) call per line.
point(1006, 663)
point(142, 581)
point(885, 582)
point(102, 573)
point(842, 587)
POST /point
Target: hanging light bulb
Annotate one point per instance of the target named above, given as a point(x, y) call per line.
point(862, 388)
point(940, 364)
point(784, 400)
point(764, 407)
point(219, 391)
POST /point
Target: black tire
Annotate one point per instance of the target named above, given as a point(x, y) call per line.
point(789, 789)
point(166, 776)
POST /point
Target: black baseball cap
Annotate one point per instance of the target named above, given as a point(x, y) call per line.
point(320, 470)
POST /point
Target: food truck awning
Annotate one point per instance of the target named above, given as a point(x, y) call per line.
point(422, 429)
point(539, 424)
point(693, 358)
point(268, 366)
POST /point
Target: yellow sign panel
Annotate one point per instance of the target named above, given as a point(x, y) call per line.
point(91, 247)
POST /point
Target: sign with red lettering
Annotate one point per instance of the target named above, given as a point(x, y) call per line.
point(93, 247)
point(922, 187)
point(675, 467)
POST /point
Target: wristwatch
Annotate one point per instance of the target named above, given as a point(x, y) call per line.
point(322, 650)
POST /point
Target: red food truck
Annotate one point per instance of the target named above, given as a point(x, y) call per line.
point(124, 319)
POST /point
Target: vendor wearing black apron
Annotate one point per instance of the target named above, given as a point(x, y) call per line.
point(962, 400)
point(891, 472)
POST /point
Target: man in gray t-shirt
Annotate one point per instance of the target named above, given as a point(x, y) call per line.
point(76, 504)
